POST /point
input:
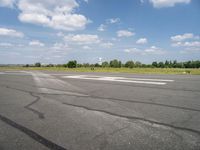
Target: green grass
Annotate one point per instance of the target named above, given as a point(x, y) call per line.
point(114, 70)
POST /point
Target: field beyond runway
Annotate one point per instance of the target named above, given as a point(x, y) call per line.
point(95, 111)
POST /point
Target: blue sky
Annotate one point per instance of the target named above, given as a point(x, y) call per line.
point(57, 31)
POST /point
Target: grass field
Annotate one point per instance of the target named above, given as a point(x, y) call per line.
point(114, 70)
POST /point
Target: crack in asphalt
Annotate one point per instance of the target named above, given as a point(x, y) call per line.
point(145, 102)
point(40, 115)
point(119, 115)
point(35, 136)
point(118, 130)
point(28, 106)
point(135, 118)
point(112, 99)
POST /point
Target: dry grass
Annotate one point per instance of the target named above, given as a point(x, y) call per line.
point(115, 70)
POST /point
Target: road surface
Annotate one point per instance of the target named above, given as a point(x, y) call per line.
point(98, 111)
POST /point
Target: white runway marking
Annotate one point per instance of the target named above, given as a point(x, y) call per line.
point(121, 79)
point(47, 81)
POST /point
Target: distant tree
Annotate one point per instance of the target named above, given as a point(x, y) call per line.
point(79, 65)
point(38, 64)
point(120, 64)
point(97, 65)
point(27, 65)
point(174, 65)
point(72, 64)
point(65, 65)
point(154, 64)
point(161, 65)
point(86, 65)
point(50, 65)
point(105, 64)
point(166, 64)
point(138, 64)
point(129, 64)
point(115, 63)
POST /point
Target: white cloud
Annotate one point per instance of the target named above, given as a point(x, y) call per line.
point(57, 14)
point(133, 50)
point(153, 50)
point(141, 1)
point(187, 44)
point(60, 46)
point(86, 1)
point(124, 33)
point(102, 27)
point(82, 38)
point(86, 47)
point(36, 43)
point(183, 37)
point(113, 20)
point(7, 3)
point(190, 50)
point(141, 41)
point(60, 34)
point(167, 3)
point(107, 45)
point(6, 45)
point(10, 33)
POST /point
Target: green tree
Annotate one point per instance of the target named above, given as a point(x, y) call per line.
point(155, 64)
point(72, 64)
point(38, 64)
point(97, 65)
point(166, 64)
point(105, 64)
point(161, 65)
point(129, 64)
point(115, 63)
point(138, 64)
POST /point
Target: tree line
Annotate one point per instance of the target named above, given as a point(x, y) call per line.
point(129, 64)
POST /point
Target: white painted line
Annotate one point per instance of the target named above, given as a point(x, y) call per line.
point(121, 78)
point(115, 79)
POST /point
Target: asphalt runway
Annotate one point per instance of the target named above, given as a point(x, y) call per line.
point(98, 111)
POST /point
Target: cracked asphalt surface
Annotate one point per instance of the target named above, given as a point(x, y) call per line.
point(45, 110)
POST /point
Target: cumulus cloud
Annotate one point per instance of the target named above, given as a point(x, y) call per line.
point(133, 50)
point(86, 47)
point(125, 33)
point(7, 3)
point(107, 45)
point(167, 3)
point(36, 43)
point(188, 41)
point(153, 50)
point(86, 1)
point(183, 37)
point(56, 14)
point(113, 20)
point(10, 33)
point(82, 38)
point(141, 41)
point(60, 46)
point(187, 44)
point(6, 45)
point(102, 27)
